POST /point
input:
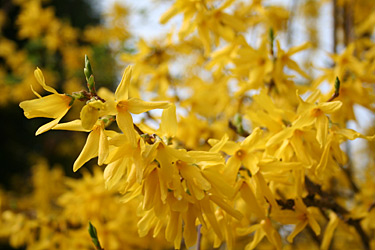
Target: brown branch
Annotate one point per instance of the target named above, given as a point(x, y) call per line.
point(372, 206)
point(335, 95)
point(348, 173)
point(335, 25)
point(148, 138)
point(348, 23)
point(199, 239)
point(356, 223)
point(271, 85)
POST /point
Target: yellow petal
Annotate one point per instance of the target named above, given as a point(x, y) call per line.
point(217, 145)
point(149, 187)
point(278, 167)
point(204, 36)
point(330, 107)
point(323, 160)
point(35, 93)
point(103, 147)
point(180, 154)
point(299, 48)
point(210, 215)
point(284, 134)
point(313, 223)
point(169, 14)
point(123, 151)
point(264, 188)
point(89, 151)
point(258, 236)
point(40, 78)
point(300, 150)
point(248, 196)
point(321, 124)
point(172, 226)
point(304, 120)
point(113, 173)
point(313, 97)
point(125, 123)
point(51, 106)
point(251, 162)
point(242, 231)
point(229, 147)
point(176, 204)
point(89, 115)
point(168, 123)
point(255, 135)
point(231, 169)
point(145, 223)
point(226, 207)
point(47, 126)
point(190, 233)
point(351, 134)
point(193, 174)
point(75, 125)
point(217, 181)
point(110, 104)
point(205, 156)
point(297, 229)
point(178, 238)
point(272, 235)
point(122, 91)
point(137, 106)
point(330, 229)
point(294, 66)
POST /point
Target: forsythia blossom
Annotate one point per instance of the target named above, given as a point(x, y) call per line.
point(241, 151)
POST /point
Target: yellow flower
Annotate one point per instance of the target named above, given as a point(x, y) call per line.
point(304, 217)
point(284, 59)
point(310, 113)
point(126, 105)
point(243, 154)
point(52, 106)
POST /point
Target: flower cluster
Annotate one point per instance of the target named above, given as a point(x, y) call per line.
point(253, 155)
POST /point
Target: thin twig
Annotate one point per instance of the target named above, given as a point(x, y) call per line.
point(148, 138)
point(199, 239)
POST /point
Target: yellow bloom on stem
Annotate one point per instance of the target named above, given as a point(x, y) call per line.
point(309, 113)
point(52, 106)
point(126, 105)
point(241, 154)
point(305, 217)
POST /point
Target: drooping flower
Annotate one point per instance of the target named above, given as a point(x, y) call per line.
point(52, 106)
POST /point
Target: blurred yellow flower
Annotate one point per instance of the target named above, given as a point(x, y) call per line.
point(52, 106)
